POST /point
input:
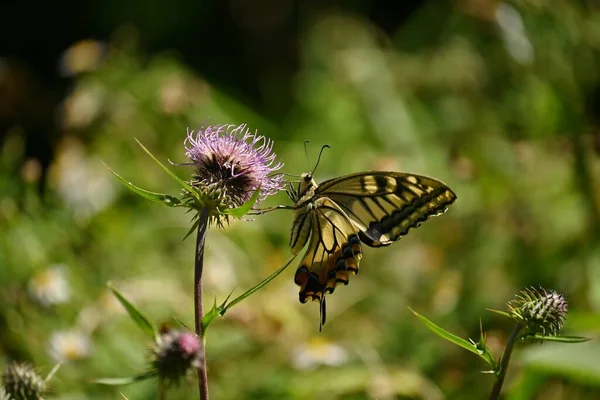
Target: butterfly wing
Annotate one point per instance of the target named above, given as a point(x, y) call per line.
point(333, 254)
point(383, 206)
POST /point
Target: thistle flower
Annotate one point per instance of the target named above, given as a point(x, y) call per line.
point(231, 164)
point(542, 311)
point(21, 382)
point(175, 354)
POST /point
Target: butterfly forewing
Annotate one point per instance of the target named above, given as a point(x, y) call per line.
point(333, 254)
point(385, 205)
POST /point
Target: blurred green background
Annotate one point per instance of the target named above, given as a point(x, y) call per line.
point(500, 100)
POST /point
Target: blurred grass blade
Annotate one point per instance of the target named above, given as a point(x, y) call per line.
point(124, 381)
point(465, 344)
point(183, 183)
point(165, 199)
point(560, 339)
point(244, 208)
point(140, 319)
point(225, 306)
point(52, 372)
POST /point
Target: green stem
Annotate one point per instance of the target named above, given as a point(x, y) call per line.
point(162, 387)
point(198, 296)
point(510, 344)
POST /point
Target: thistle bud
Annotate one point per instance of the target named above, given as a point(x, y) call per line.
point(21, 382)
point(175, 354)
point(542, 311)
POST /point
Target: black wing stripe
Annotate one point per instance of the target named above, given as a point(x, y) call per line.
point(298, 223)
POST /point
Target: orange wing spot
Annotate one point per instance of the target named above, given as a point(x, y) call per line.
point(352, 264)
point(342, 277)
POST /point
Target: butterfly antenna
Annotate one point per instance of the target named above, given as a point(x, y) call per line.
point(325, 146)
point(306, 142)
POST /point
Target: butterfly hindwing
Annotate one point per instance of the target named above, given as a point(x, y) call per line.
point(385, 205)
point(333, 254)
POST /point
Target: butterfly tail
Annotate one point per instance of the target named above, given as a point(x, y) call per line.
point(323, 313)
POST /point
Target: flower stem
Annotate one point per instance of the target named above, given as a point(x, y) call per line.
point(199, 266)
point(512, 339)
point(162, 387)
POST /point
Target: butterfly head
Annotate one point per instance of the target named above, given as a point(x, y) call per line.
point(305, 189)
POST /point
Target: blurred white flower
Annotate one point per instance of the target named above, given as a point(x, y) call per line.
point(317, 352)
point(513, 32)
point(50, 286)
point(80, 180)
point(69, 346)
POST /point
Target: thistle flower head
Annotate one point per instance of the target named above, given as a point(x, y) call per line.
point(21, 382)
point(542, 311)
point(4, 394)
point(175, 354)
point(231, 164)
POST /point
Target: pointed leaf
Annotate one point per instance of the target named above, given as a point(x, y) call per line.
point(183, 183)
point(165, 199)
point(224, 307)
point(125, 380)
point(465, 344)
point(140, 319)
point(560, 339)
point(192, 229)
point(208, 318)
point(503, 313)
point(244, 208)
point(485, 350)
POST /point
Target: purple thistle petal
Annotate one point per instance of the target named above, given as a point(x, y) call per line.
point(235, 161)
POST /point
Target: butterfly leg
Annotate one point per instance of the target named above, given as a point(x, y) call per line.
point(261, 211)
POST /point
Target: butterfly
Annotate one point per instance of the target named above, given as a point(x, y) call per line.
point(374, 208)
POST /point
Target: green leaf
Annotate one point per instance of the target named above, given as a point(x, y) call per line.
point(485, 351)
point(140, 319)
point(124, 381)
point(208, 317)
point(244, 208)
point(225, 306)
point(560, 339)
point(503, 313)
point(165, 199)
point(183, 183)
point(465, 344)
point(192, 229)
point(216, 311)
